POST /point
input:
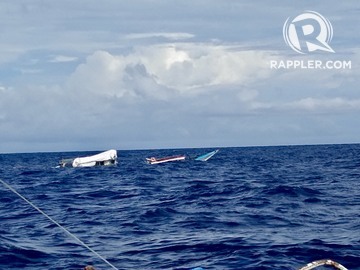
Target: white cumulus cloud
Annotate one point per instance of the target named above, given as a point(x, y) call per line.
point(162, 71)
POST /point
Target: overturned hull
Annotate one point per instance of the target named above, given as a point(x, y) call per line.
point(102, 159)
point(207, 156)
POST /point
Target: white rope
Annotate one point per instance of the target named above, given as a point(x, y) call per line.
point(57, 224)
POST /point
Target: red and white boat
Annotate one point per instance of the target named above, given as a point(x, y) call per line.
point(154, 160)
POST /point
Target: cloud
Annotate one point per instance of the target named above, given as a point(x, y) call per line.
point(156, 89)
point(63, 59)
point(309, 105)
point(187, 66)
point(162, 95)
point(144, 74)
point(169, 35)
point(325, 104)
point(162, 71)
point(30, 71)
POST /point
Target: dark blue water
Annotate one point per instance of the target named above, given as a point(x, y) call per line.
point(246, 208)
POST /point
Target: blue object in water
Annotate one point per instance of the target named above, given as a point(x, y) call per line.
point(207, 156)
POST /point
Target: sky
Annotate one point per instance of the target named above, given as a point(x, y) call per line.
point(97, 75)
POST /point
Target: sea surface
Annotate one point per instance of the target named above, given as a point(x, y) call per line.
point(245, 208)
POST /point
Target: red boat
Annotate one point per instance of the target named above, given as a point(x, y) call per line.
point(154, 160)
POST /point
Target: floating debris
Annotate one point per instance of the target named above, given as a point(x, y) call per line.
point(315, 264)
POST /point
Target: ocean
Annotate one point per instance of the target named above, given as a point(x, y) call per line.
point(277, 207)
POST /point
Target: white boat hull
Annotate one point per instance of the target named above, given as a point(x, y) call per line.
point(105, 158)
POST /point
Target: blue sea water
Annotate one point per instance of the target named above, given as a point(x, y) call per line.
point(246, 208)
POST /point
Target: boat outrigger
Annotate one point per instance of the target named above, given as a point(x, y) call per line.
point(207, 156)
point(102, 159)
point(154, 160)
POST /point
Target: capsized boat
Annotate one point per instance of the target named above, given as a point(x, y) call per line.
point(207, 156)
point(154, 160)
point(102, 159)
